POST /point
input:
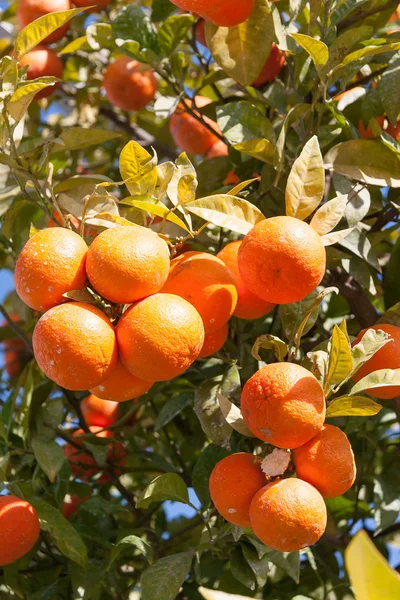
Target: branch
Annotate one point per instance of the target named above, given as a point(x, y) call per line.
point(362, 14)
point(360, 304)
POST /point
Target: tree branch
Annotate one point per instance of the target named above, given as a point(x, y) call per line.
point(360, 304)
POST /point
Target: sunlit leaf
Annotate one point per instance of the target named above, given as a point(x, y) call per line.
point(335, 236)
point(23, 96)
point(241, 186)
point(233, 416)
point(269, 342)
point(227, 211)
point(328, 215)
point(216, 595)
point(377, 379)
point(173, 30)
point(306, 182)
point(316, 49)
point(353, 406)
point(243, 122)
point(131, 542)
point(261, 149)
point(77, 138)
point(138, 169)
point(340, 359)
point(370, 343)
point(155, 209)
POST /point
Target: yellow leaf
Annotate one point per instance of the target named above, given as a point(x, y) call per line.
point(227, 211)
point(332, 238)
point(80, 43)
point(216, 595)
point(259, 148)
point(328, 215)
point(381, 378)
point(306, 182)
point(371, 576)
point(240, 186)
point(353, 406)
point(23, 96)
point(159, 209)
point(340, 360)
point(315, 48)
point(138, 169)
point(270, 342)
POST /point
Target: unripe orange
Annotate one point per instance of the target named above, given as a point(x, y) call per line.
point(30, 10)
point(282, 260)
point(121, 385)
point(43, 62)
point(20, 529)
point(233, 483)
point(51, 263)
point(273, 66)
point(128, 85)
point(225, 13)
point(189, 133)
point(288, 515)
point(283, 404)
point(213, 342)
point(99, 412)
point(326, 462)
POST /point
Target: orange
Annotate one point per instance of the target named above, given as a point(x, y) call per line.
point(396, 15)
point(213, 342)
point(51, 263)
point(201, 33)
point(282, 260)
point(233, 483)
point(128, 84)
point(387, 357)
point(71, 505)
point(288, 515)
point(99, 412)
point(221, 149)
point(75, 346)
point(80, 460)
point(99, 4)
point(125, 264)
point(20, 529)
point(42, 62)
point(14, 351)
point(273, 66)
point(121, 385)
point(204, 281)
point(30, 10)
point(249, 306)
point(366, 132)
point(225, 13)
point(283, 404)
point(327, 462)
point(190, 134)
point(394, 131)
point(160, 337)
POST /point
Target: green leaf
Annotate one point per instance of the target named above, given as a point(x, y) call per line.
point(241, 570)
point(163, 580)
point(370, 51)
point(49, 455)
point(77, 138)
point(164, 487)
point(242, 51)
point(23, 96)
point(370, 343)
point(357, 242)
point(259, 566)
point(77, 44)
point(297, 112)
point(203, 468)
point(269, 342)
point(155, 209)
point(368, 161)
point(131, 542)
point(389, 81)
point(172, 408)
point(315, 48)
point(319, 360)
point(306, 182)
point(391, 277)
point(340, 359)
point(352, 406)
point(138, 169)
point(172, 31)
point(329, 214)
point(161, 9)
point(66, 538)
point(233, 415)
point(299, 317)
point(132, 24)
point(34, 33)
point(288, 561)
point(345, 42)
point(381, 378)
point(227, 211)
point(243, 122)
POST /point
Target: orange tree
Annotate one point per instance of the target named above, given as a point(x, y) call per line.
point(201, 214)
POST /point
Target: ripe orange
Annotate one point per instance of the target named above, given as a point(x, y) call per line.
point(249, 306)
point(71, 505)
point(51, 263)
point(160, 337)
point(121, 385)
point(396, 15)
point(99, 4)
point(233, 483)
point(288, 515)
point(128, 84)
point(273, 66)
point(225, 13)
point(80, 460)
point(387, 357)
point(283, 404)
point(327, 462)
point(75, 346)
point(394, 131)
point(42, 62)
point(125, 264)
point(213, 342)
point(366, 132)
point(217, 150)
point(282, 260)
point(30, 10)
point(204, 281)
point(99, 412)
point(201, 33)
point(20, 529)
point(189, 133)
point(14, 351)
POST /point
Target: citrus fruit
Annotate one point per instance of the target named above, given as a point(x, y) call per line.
point(14, 351)
point(387, 357)
point(99, 412)
point(217, 150)
point(282, 260)
point(288, 515)
point(83, 464)
point(283, 404)
point(233, 483)
point(71, 505)
point(204, 281)
point(30, 10)
point(225, 13)
point(366, 132)
point(51, 263)
point(190, 134)
point(128, 84)
point(75, 346)
point(249, 306)
point(42, 62)
point(213, 342)
point(273, 66)
point(125, 264)
point(201, 33)
point(160, 337)
point(20, 529)
point(326, 462)
point(121, 385)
